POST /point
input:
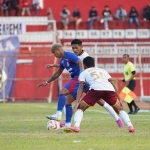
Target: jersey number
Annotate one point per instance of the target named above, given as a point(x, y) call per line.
point(98, 75)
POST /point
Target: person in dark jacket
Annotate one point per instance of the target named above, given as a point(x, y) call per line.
point(133, 17)
point(14, 6)
point(5, 5)
point(93, 16)
point(146, 13)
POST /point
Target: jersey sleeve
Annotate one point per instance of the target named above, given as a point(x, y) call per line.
point(61, 66)
point(72, 57)
point(132, 68)
point(108, 75)
point(82, 76)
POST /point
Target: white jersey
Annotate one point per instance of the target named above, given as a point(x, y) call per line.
point(83, 55)
point(97, 79)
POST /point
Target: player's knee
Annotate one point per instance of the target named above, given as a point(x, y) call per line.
point(64, 91)
point(82, 106)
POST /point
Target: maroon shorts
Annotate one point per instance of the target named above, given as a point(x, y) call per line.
point(93, 96)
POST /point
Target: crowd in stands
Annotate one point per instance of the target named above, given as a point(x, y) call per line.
point(6, 6)
point(107, 16)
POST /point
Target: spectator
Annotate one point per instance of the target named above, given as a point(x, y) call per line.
point(146, 13)
point(49, 17)
point(76, 17)
point(36, 6)
point(133, 16)
point(65, 17)
point(106, 17)
point(121, 14)
point(14, 6)
point(93, 16)
point(5, 6)
point(26, 7)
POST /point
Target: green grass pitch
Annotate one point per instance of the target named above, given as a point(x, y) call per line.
point(23, 127)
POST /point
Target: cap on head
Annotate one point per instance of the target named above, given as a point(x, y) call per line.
point(56, 46)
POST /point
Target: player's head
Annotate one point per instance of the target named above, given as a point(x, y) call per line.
point(57, 50)
point(125, 58)
point(76, 45)
point(88, 62)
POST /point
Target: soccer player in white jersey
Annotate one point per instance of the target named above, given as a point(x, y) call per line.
point(101, 87)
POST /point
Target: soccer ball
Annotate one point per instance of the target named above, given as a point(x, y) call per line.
point(53, 125)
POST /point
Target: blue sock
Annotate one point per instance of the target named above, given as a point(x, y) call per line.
point(61, 102)
point(68, 113)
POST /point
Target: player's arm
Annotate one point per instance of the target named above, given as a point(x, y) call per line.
point(80, 89)
point(133, 75)
point(80, 64)
point(52, 65)
point(79, 95)
point(132, 70)
point(52, 78)
point(116, 90)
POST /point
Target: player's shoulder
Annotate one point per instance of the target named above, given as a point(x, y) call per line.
point(69, 54)
point(130, 63)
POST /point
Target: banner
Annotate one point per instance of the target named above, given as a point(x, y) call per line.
point(12, 28)
point(127, 95)
point(9, 49)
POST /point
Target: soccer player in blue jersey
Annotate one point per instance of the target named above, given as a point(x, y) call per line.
point(74, 66)
point(78, 50)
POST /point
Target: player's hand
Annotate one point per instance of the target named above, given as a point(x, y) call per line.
point(127, 83)
point(43, 84)
point(75, 107)
point(49, 66)
point(122, 84)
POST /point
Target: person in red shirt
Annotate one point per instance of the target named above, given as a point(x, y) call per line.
point(26, 7)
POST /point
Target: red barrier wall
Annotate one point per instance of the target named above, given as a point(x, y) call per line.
point(27, 89)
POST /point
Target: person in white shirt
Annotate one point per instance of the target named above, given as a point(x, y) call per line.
point(101, 87)
point(77, 48)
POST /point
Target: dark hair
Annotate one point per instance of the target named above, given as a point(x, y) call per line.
point(126, 55)
point(133, 8)
point(89, 62)
point(76, 41)
point(106, 6)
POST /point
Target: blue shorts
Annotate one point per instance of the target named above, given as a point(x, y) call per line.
point(73, 85)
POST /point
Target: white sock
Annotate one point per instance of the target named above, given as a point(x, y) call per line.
point(111, 111)
point(124, 116)
point(78, 117)
point(59, 113)
point(67, 124)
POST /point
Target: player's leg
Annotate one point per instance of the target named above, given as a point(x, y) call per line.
point(123, 115)
point(78, 117)
point(131, 86)
point(60, 104)
point(111, 111)
point(67, 89)
point(88, 100)
point(70, 99)
point(111, 98)
point(69, 111)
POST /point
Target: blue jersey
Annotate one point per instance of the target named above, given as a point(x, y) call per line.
point(69, 62)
